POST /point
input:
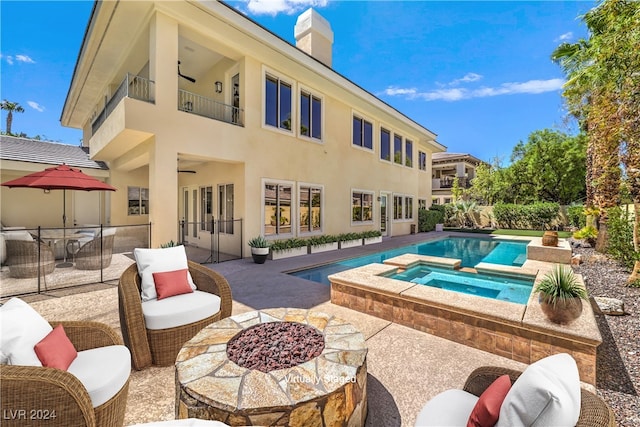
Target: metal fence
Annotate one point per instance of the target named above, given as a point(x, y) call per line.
point(43, 259)
point(212, 241)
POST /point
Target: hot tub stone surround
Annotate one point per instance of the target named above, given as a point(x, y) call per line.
point(516, 331)
point(327, 390)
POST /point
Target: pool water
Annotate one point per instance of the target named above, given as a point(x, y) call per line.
point(469, 250)
point(509, 288)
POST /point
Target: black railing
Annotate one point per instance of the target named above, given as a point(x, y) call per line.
point(212, 241)
point(207, 107)
point(135, 87)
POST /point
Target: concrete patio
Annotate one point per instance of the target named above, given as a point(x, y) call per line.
point(406, 367)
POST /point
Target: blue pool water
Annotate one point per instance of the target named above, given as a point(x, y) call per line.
point(468, 249)
point(496, 286)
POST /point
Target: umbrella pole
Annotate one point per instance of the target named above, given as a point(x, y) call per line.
point(64, 263)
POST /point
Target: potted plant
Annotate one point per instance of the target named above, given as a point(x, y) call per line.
point(259, 249)
point(561, 295)
point(349, 240)
point(288, 248)
point(373, 236)
point(322, 243)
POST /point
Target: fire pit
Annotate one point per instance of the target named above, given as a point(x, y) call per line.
point(274, 367)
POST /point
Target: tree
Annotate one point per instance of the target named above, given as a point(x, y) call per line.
point(489, 185)
point(603, 93)
point(10, 107)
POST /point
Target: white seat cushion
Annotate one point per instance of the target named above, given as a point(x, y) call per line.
point(21, 328)
point(546, 394)
point(103, 371)
point(449, 408)
point(179, 310)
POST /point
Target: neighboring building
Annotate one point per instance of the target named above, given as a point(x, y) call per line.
point(447, 166)
point(268, 131)
point(30, 207)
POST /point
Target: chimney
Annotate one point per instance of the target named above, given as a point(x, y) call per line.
point(314, 36)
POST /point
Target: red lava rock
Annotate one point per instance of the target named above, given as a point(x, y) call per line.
point(275, 345)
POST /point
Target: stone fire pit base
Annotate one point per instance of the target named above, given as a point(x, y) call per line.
point(328, 390)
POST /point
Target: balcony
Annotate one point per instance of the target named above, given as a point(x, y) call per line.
point(135, 87)
point(207, 107)
point(447, 182)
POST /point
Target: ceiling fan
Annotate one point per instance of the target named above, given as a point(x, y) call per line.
point(191, 79)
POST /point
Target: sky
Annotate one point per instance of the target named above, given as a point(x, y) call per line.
point(476, 73)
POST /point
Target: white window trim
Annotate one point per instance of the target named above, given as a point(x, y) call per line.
point(294, 209)
point(374, 138)
point(413, 207)
point(294, 90)
point(312, 92)
point(391, 133)
point(310, 233)
point(413, 152)
point(426, 161)
point(373, 207)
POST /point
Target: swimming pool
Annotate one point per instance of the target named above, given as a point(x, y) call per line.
point(470, 250)
point(502, 287)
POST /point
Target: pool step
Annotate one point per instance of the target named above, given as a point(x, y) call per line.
point(520, 259)
point(469, 270)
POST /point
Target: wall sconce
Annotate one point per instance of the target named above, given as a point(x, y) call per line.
point(218, 87)
point(47, 191)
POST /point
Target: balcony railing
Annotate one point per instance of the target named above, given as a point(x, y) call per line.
point(207, 107)
point(447, 182)
point(135, 87)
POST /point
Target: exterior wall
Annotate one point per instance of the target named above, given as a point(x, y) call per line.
point(142, 141)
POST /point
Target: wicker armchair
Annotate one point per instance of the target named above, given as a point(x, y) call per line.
point(594, 412)
point(22, 258)
point(88, 255)
point(42, 393)
point(160, 347)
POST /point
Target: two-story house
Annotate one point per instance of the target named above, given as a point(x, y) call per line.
point(202, 113)
point(445, 168)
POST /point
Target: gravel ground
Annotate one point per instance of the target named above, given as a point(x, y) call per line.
point(618, 373)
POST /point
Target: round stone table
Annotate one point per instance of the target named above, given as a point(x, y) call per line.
point(329, 390)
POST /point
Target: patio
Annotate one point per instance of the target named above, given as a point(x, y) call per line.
point(406, 367)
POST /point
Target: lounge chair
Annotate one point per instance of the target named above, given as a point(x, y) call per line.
point(87, 254)
point(24, 254)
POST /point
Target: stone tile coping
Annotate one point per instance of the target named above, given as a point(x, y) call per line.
point(205, 372)
point(372, 277)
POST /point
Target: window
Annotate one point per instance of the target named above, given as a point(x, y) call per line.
point(310, 115)
point(447, 200)
point(361, 206)
point(397, 149)
point(310, 209)
point(408, 153)
point(277, 209)
point(422, 160)
point(435, 200)
point(362, 133)
point(225, 208)
point(385, 145)
point(277, 109)
point(408, 207)
point(422, 204)
point(138, 201)
point(397, 207)
point(206, 208)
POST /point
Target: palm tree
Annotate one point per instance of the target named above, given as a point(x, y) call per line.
point(10, 107)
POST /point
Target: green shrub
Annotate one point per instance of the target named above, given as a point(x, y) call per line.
point(427, 219)
point(535, 216)
point(349, 236)
point(371, 233)
point(322, 240)
point(620, 242)
point(576, 216)
point(287, 244)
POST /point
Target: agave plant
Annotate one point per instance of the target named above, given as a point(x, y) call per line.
point(561, 285)
point(258, 242)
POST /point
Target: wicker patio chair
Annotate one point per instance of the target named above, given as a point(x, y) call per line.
point(22, 258)
point(160, 347)
point(45, 392)
point(594, 412)
point(87, 256)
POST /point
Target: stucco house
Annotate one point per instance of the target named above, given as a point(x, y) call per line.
point(202, 113)
point(445, 168)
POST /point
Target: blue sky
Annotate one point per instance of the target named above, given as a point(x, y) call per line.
point(476, 73)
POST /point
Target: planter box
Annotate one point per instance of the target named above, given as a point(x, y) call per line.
point(314, 249)
point(372, 240)
point(344, 244)
point(288, 253)
point(439, 227)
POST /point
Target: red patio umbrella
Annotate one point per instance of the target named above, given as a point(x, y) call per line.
point(62, 178)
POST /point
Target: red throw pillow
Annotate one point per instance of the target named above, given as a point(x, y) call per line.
point(56, 350)
point(170, 283)
point(487, 409)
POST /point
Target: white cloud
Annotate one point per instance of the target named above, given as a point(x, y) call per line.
point(468, 78)
point(35, 106)
point(565, 37)
point(25, 58)
point(289, 7)
point(457, 94)
point(7, 58)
